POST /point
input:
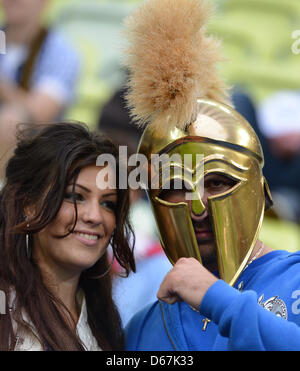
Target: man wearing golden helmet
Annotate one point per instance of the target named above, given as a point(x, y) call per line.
point(227, 289)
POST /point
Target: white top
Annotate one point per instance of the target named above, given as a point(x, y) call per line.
point(28, 341)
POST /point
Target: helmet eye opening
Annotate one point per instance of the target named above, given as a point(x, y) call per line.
point(214, 184)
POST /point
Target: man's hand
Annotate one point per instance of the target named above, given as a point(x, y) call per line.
point(188, 281)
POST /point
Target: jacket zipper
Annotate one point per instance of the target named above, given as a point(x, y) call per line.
point(169, 336)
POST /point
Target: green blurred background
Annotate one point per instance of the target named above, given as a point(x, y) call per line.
point(256, 35)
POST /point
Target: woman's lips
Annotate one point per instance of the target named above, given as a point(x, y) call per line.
point(86, 238)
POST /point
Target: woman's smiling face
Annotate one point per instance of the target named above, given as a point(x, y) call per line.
point(94, 227)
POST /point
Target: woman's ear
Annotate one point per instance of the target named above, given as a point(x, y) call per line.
point(29, 212)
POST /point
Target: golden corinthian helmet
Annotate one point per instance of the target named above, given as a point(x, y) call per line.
point(174, 90)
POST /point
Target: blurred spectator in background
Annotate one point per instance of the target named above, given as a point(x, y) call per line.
point(279, 119)
point(114, 119)
point(277, 123)
point(38, 73)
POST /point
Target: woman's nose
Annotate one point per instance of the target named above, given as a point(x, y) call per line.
point(92, 213)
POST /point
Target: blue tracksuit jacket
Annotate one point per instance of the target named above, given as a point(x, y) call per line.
point(262, 312)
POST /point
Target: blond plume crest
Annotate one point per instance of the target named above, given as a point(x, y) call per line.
point(171, 62)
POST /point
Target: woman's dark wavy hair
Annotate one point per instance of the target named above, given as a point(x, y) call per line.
point(43, 164)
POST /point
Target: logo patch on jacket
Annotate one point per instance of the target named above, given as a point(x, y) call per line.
point(274, 305)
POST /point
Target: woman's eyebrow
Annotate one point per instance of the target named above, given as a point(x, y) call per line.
point(81, 186)
point(113, 193)
point(110, 194)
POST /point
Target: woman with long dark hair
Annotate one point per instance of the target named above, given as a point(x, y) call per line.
point(55, 226)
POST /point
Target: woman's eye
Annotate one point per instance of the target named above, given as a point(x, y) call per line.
point(73, 196)
point(110, 205)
